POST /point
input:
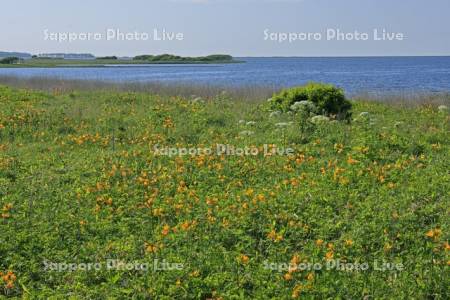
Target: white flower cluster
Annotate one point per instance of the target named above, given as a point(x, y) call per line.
point(320, 119)
point(443, 108)
point(310, 109)
point(198, 100)
point(275, 114)
point(364, 114)
point(283, 124)
point(306, 106)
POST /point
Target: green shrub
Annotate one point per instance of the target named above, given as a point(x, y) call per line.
point(170, 57)
point(9, 60)
point(328, 99)
point(107, 57)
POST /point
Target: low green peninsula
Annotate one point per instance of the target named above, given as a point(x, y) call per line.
point(58, 60)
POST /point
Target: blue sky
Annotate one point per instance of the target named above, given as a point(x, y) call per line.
point(228, 26)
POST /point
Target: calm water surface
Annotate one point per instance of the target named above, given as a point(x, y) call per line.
point(355, 75)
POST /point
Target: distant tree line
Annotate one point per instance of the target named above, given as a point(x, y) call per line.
point(9, 60)
point(107, 57)
point(170, 57)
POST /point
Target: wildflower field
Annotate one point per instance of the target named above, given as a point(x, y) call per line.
point(286, 209)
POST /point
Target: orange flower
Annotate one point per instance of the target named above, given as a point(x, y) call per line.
point(329, 255)
point(151, 248)
point(296, 291)
point(338, 171)
point(295, 260)
point(166, 230)
point(9, 278)
point(287, 276)
point(352, 161)
point(12, 276)
point(272, 235)
point(434, 233)
point(446, 246)
point(185, 225)
point(244, 258)
point(9, 285)
point(249, 192)
point(7, 207)
point(261, 197)
point(319, 242)
point(348, 243)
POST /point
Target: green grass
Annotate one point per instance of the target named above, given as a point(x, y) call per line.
point(55, 63)
point(80, 183)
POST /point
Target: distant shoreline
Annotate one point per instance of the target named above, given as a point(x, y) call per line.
point(74, 60)
point(60, 63)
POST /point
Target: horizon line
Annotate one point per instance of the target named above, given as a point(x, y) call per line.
point(251, 56)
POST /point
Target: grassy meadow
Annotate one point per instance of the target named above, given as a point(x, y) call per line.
point(84, 180)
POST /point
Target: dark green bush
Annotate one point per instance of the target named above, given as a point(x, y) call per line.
point(9, 60)
point(107, 57)
point(143, 57)
point(328, 99)
point(170, 57)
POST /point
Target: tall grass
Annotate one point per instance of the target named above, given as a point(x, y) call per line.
point(406, 99)
point(247, 93)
